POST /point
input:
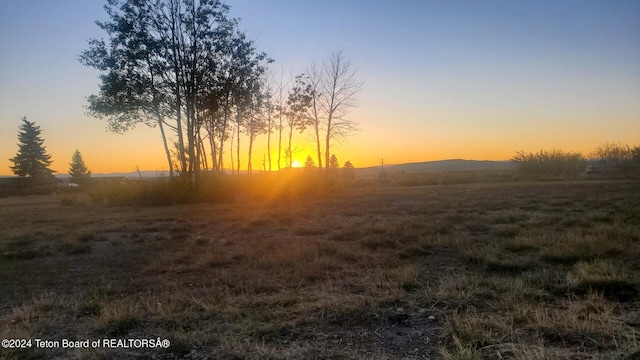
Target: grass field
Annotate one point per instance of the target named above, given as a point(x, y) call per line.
point(471, 271)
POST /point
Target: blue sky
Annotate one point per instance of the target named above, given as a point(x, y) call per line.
point(443, 79)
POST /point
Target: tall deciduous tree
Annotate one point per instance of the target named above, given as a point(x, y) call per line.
point(32, 159)
point(269, 112)
point(135, 88)
point(78, 170)
point(314, 119)
point(280, 115)
point(340, 89)
point(298, 103)
point(180, 59)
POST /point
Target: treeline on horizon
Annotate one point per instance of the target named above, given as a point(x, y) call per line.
point(186, 68)
point(612, 159)
point(607, 161)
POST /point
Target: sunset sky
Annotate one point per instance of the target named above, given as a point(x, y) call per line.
point(442, 79)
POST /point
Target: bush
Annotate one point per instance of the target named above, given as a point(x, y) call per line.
point(553, 162)
point(615, 157)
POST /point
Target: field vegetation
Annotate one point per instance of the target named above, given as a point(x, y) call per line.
point(341, 269)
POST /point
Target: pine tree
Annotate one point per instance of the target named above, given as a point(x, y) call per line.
point(309, 163)
point(333, 162)
point(348, 170)
point(32, 159)
point(79, 172)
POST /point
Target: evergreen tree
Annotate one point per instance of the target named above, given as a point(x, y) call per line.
point(78, 170)
point(333, 162)
point(309, 163)
point(348, 170)
point(32, 159)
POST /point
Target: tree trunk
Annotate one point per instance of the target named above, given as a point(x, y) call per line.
point(251, 139)
point(233, 169)
point(166, 147)
point(269, 128)
point(328, 140)
point(223, 133)
point(290, 149)
point(238, 143)
point(212, 144)
point(280, 142)
point(317, 131)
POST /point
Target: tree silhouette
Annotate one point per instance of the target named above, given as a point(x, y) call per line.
point(333, 162)
point(315, 120)
point(32, 159)
point(340, 89)
point(298, 102)
point(309, 163)
point(78, 170)
point(180, 59)
point(348, 169)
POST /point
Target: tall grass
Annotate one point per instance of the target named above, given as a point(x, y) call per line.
point(215, 188)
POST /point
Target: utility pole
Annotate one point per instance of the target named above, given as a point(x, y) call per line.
point(382, 163)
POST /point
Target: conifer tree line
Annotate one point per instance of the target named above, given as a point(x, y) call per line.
point(185, 67)
point(32, 159)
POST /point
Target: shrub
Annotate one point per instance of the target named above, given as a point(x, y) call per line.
point(553, 162)
point(613, 156)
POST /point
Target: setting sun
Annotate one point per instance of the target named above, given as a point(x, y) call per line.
point(296, 164)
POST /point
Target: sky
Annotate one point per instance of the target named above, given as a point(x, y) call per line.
point(442, 79)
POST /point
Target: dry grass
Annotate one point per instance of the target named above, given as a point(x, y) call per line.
point(477, 271)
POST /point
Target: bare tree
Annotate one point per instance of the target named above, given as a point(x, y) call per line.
point(315, 121)
point(339, 94)
point(280, 114)
point(613, 155)
point(269, 87)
